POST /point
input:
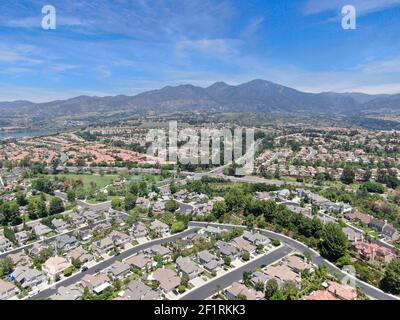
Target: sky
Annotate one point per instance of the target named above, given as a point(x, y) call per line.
point(111, 47)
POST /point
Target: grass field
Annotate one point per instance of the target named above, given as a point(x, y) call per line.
point(87, 179)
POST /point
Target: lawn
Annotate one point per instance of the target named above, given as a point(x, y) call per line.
point(88, 179)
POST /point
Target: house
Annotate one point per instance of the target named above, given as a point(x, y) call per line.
point(167, 278)
point(70, 293)
point(212, 231)
point(65, 243)
point(258, 277)
point(7, 290)
point(84, 234)
point(321, 295)
point(159, 207)
point(119, 270)
point(159, 227)
point(143, 202)
point(119, 238)
point(256, 238)
point(22, 237)
point(342, 291)
point(237, 289)
point(55, 266)
point(80, 254)
point(358, 216)
point(265, 196)
point(60, 225)
point(226, 249)
point(296, 263)
point(91, 216)
point(373, 252)
point(140, 261)
point(76, 219)
point(27, 277)
point(243, 245)
point(209, 261)
point(185, 209)
point(5, 244)
point(103, 246)
point(159, 250)
point(282, 274)
point(139, 230)
point(352, 234)
point(187, 266)
point(20, 259)
point(36, 249)
point(137, 290)
point(41, 230)
point(96, 283)
point(385, 229)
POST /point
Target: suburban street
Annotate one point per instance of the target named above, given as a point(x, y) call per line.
point(208, 289)
point(107, 263)
point(369, 290)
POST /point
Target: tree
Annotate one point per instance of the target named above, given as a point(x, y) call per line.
point(391, 279)
point(348, 175)
point(116, 203)
point(246, 256)
point(178, 226)
point(271, 288)
point(56, 206)
point(219, 209)
point(334, 244)
point(71, 196)
point(171, 206)
point(130, 201)
point(6, 266)
point(227, 261)
point(10, 235)
point(259, 286)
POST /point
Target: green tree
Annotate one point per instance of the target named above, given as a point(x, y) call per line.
point(178, 226)
point(271, 287)
point(171, 206)
point(56, 206)
point(116, 203)
point(334, 244)
point(348, 175)
point(71, 196)
point(391, 279)
point(219, 209)
point(130, 201)
point(227, 261)
point(6, 266)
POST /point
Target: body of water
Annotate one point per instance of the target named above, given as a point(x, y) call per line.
point(24, 133)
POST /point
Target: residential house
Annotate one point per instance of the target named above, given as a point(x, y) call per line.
point(358, 216)
point(60, 225)
point(103, 246)
point(70, 293)
point(20, 259)
point(282, 274)
point(41, 230)
point(342, 291)
point(96, 283)
point(258, 277)
point(76, 219)
point(65, 243)
point(7, 290)
point(243, 245)
point(256, 238)
point(27, 277)
point(139, 230)
point(119, 270)
point(352, 234)
point(168, 279)
point(5, 244)
point(187, 266)
point(55, 266)
point(159, 250)
point(237, 289)
point(297, 264)
point(119, 238)
point(159, 227)
point(209, 261)
point(140, 261)
point(80, 254)
point(137, 290)
point(226, 249)
point(373, 252)
point(22, 237)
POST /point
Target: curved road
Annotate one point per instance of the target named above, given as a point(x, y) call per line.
point(369, 290)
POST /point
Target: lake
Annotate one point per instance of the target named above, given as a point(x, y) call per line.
point(24, 133)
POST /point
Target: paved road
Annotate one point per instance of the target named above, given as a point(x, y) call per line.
point(208, 289)
point(316, 258)
point(107, 263)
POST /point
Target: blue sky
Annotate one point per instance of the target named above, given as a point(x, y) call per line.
point(108, 47)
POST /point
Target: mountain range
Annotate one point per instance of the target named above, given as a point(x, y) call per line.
point(253, 96)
